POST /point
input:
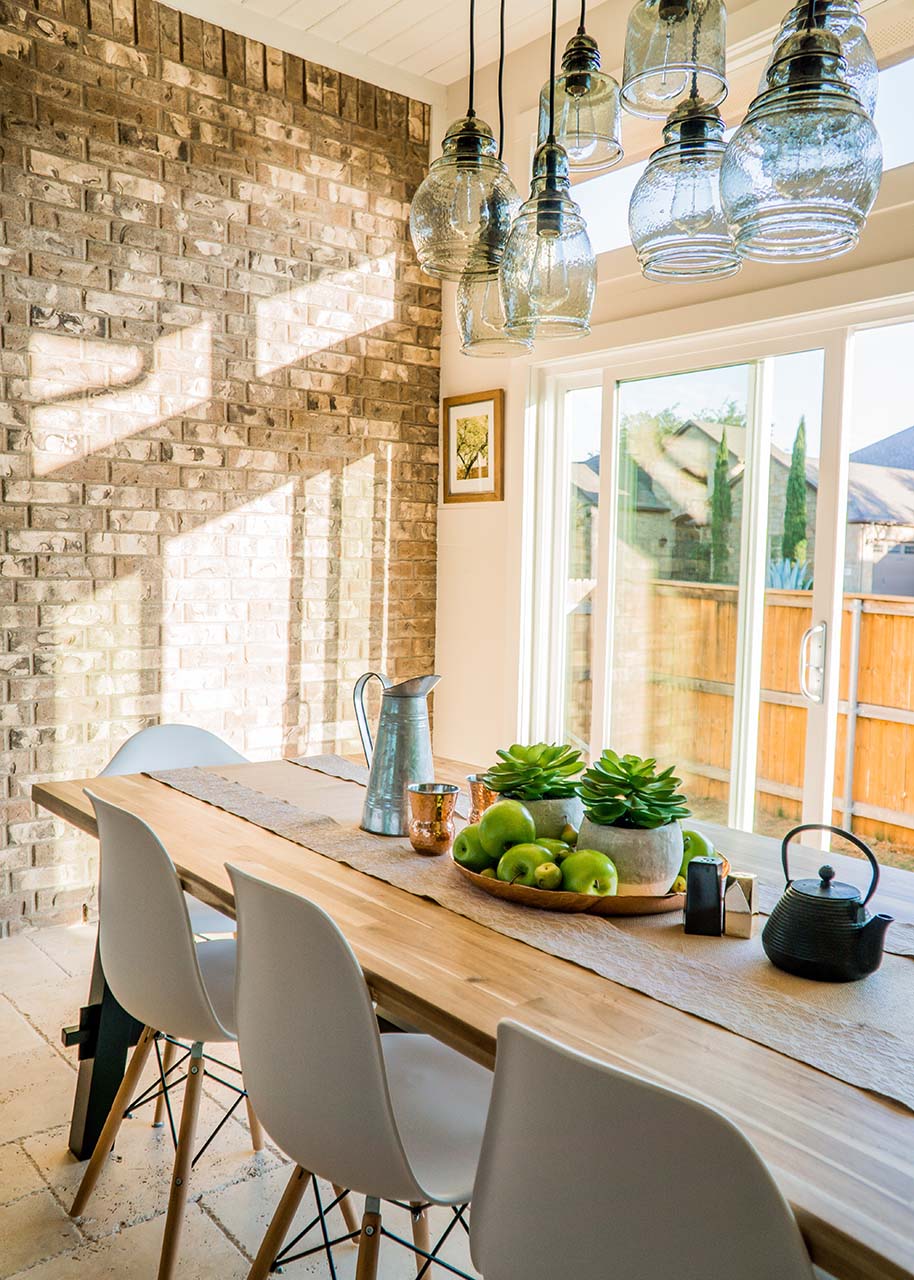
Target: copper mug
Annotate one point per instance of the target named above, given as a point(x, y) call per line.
point(432, 808)
point(481, 796)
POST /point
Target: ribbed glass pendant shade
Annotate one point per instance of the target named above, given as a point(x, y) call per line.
point(588, 114)
point(461, 214)
point(548, 273)
point(802, 171)
point(674, 49)
point(675, 217)
point(843, 19)
point(481, 320)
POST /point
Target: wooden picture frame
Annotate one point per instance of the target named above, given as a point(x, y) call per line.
point(471, 473)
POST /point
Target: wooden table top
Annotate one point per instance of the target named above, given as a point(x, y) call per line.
point(842, 1156)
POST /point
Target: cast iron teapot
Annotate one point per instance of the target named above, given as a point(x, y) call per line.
point(820, 928)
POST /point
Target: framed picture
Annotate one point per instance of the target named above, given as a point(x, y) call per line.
point(473, 447)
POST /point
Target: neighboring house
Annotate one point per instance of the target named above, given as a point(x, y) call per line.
point(665, 508)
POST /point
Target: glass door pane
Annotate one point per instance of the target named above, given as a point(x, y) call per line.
point(874, 771)
point(582, 407)
point(795, 402)
point(677, 594)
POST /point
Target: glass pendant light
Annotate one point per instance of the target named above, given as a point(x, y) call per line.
point(668, 45)
point(548, 273)
point(843, 19)
point(588, 115)
point(461, 214)
point(801, 173)
point(675, 217)
point(480, 311)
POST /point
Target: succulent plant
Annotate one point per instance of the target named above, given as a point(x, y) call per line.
point(627, 791)
point(544, 771)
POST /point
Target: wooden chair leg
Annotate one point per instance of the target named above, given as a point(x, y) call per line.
point(346, 1209)
point(280, 1223)
point(168, 1057)
point(254, 1126)
point(177, 1198)
point(370, 1243)
point(113, 1123)
point(421, 1238)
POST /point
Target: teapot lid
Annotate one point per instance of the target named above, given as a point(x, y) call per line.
point(827, 887)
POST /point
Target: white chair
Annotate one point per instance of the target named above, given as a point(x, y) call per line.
point(164, 979)
point(177, 746)
point(587, 1171)
point(396, 1117)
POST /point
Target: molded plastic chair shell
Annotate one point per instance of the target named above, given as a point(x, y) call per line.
point(170, 746)
point(177, 746)
point(147, 947)
point(587, 1171)
point(399, 1117)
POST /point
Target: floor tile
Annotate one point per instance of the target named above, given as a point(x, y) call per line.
point(31, 1230)
point(21, 961)
point(36, 1091)
point(72, 947)
point(18, 1176)
point(132, 1254)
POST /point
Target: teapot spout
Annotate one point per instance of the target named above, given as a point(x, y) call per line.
point(872, 941)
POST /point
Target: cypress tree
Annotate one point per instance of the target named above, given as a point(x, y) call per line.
point(721, 513)
point(793, 543)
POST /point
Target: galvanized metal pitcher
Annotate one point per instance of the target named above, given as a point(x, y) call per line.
point(402, 752)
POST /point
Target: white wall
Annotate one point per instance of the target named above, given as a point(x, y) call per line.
point(480, 544)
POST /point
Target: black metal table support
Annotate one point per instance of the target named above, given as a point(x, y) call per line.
point(105, 1035)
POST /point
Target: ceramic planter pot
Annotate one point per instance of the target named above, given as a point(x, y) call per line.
point(647, 861)
point(551, 816)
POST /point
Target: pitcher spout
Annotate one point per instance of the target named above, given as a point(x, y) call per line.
point(416, 687)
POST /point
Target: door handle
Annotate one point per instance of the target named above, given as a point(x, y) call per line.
point(812, 668)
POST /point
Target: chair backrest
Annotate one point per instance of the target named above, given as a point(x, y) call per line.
point(589, 1172)
point(309, 1042)
point(170, 746)
point(145, 938)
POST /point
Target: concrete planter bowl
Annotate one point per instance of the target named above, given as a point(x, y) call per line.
point(647, 861)
point(552, 815)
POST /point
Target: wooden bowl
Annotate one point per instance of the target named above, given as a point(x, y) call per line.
point(560, 900)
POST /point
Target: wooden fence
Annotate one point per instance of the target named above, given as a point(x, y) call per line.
point(683, 644)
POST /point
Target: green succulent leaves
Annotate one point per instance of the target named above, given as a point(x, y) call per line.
point(626, 791)
point(544, 771)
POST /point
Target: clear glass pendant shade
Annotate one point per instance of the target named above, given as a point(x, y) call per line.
point(802, 171)
point(843, 19)
point(481, 320)
point(674, 49)
point(461, 214)
point(548, 273)
point(588, 114)
point(675, 216)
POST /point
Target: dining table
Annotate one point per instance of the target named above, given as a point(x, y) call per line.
point(842, 1155)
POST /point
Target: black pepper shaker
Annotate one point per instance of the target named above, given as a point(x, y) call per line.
point(704, 908)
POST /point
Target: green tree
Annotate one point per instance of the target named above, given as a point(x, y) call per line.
point(721, 513)
point(793, 543)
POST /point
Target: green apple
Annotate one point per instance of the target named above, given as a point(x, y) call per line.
point(695, 845)
point(679, 885)
point(548, 875)
point(468, 850)
point(503, 824)
point(489, 873)
point(568, 834)
point(518, 865)
point(558, 848)
point(589, 871)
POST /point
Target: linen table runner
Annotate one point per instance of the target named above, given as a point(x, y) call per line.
point(806, 1021)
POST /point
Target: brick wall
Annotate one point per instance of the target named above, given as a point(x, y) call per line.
point(220, 389)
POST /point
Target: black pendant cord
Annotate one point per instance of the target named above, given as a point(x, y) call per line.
point(581, 30)
point(810, 14)
point(552, 40)
point(471, 110)
point(501, 80)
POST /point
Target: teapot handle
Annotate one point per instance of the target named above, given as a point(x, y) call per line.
point(361, 719)
point(838, 831)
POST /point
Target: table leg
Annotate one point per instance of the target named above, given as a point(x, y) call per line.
point(105, 1035)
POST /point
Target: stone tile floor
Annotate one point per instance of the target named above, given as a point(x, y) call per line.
point(43, 981)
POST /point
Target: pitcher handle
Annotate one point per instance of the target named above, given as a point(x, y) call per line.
point(361, 719)
point(838, 831)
